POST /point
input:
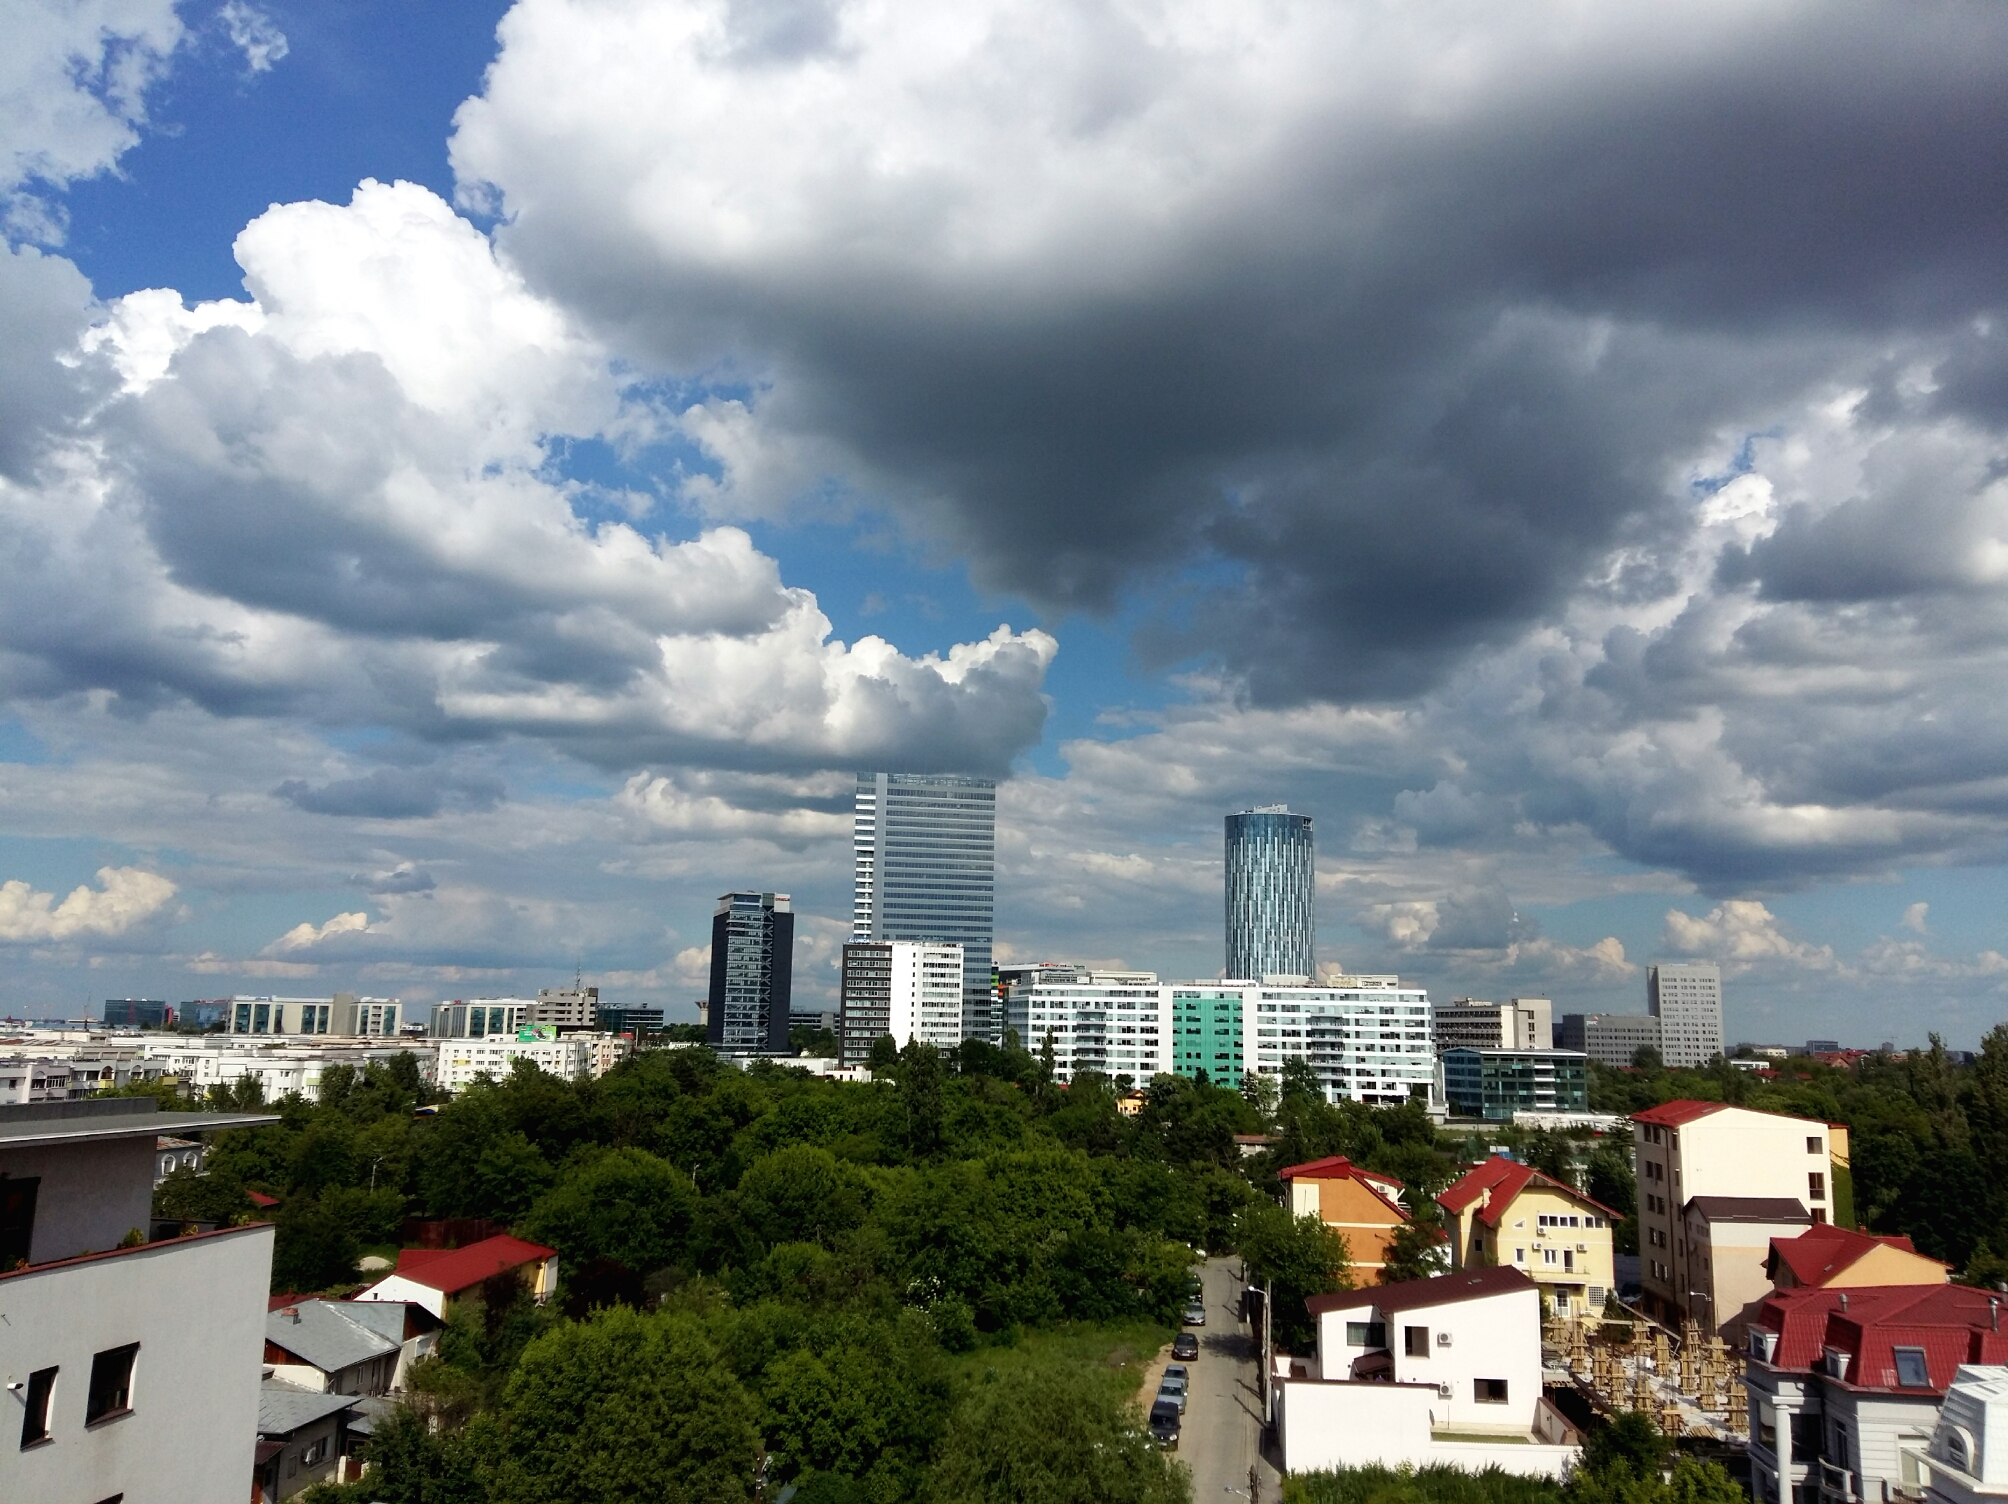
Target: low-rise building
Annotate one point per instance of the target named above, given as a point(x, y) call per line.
point(1525, 1023)
point(1845, 1385)
point(1364, 1206)
point(575, 1007)
point(1435, 1371)
point(1503, 1212)
point(481, 1017)
point(1727, 1242)
point(1495, 1084)
point(1830, 1256)
point(361, 1347)
point(1612, 1039)
point(193, 1064)
point(1684, 1149)
point(461, 1062)
point(119, 1387)
point(302, 1437)
point(434, 1278)
point(344, 1015)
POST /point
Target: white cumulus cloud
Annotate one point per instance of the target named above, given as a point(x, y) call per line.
point(306, 935)
point(126, 896)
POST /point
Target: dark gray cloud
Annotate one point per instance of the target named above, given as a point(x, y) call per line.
point(392, 794)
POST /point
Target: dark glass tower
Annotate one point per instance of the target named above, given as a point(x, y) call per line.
point(1271, 894)
point(752, 972)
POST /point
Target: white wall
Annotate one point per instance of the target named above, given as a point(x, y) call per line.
point(92, 1195)
point(196, 1306)
point(1334, 1424)
point(1497, 1337)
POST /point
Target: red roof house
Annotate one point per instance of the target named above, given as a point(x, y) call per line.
point(1363, 1205)
point(1832, 1255)
point(435, 1277)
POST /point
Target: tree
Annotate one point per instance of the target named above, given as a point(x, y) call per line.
point(1414, 1252)
point(623, 1407)
point(1052, 1437)
point(1648, 1058)
point(1299, 1257)
point(410, 1463)
point(1631, 1441)
point(920, 1083)
point(624, 1206)
point(313, 1248)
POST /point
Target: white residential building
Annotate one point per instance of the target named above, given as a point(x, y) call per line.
point(197, 1062)
point(1366, 1038)
point(1686, 998)
point(1114, 1022)
point(1966, 1460)
point(461, 1061)
point(1444, 1370)
point(116, 1389)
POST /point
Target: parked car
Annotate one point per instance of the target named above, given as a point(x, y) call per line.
point(1185, 1347)
point(1173, 1390)
point(1165, 1424)
point(1195, 1314)
point(1180, 1372)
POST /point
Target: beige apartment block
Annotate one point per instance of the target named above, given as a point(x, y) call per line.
point(1729, 1249)
point(1509, 1214)
point(1685, 1149)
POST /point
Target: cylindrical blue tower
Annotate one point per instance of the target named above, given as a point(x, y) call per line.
point(1271, 894)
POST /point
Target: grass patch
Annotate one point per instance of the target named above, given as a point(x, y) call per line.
point(1116, 1354)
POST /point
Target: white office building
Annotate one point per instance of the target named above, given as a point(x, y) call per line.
point(1686, 998)
point(1525, 1023)
point(1366, 1038)
point(481, 1017)
point(344, 1014)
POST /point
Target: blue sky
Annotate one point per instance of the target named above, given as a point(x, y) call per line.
point(568, 452)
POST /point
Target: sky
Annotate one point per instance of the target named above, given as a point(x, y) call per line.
point(478, 481)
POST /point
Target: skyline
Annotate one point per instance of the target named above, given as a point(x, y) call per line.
point(478, 482)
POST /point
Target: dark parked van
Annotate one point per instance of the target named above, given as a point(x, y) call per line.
point(1164, 1424)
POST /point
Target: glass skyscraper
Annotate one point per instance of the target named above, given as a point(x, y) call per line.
point(926, 852)
point(752, 972)
point(1271, 894)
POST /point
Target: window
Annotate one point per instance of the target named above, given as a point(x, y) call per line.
point(1519, 1255)
point(1489, 1391)
point(1910, 1370)
point(111, 1384)
point(1819, 1214)
point(1365, 1334)
point(1415, 1341)
point(35, 1424)
point(314, 1453)
point(1813, 1145)
point(17, 1218)
point(1816, 1186)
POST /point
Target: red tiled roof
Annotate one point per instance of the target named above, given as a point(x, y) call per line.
point(1415, 1294)
point(1823, 1251)
point(1675, 1113)
point(259, 1198)
point(1951, 1324)
point(455, 1269)
point(1506, 1178)
point(1384, 1188)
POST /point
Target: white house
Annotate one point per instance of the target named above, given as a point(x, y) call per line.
point(1966, 1461)
point(131, 1367)
point(1443, 1370)
point(435, 1277)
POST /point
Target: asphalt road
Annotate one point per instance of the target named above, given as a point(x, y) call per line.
point(1223, 1413)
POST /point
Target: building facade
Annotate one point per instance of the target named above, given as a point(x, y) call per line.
point(1363, 1206)
point(344, 1015)
point(481, 1017)
point(925, 852)
point(1966, 1460)
point(574, 1007)
point(752, 972)
point(1525, 1023)
point(1611, 1039)
point(1727, 1244)
point(1684, 1149)
point(906, 989)
point(461, 1062)
point(1495, 1084)
point(1686, 998)
point(1845, 1386)
point(1504, 1213)
point(1207, 1031)
point(119, 1385)
point(1114, 1022)
point(629, 1019)
point(138, 1013)
point(1271, 895)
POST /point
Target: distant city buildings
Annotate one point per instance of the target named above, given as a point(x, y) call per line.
point(1271, 895)
point(1207, 1031)
point(344, 1015)
point(1686, 998)
point(574, 1007)
point(630, 1019)
point(752, 972)
point(138, 1013)
point(1114, 1022)
point(1525, 1023)
point(568, 1056)
point(480, 1018)
point(1612, 1039)
point(907, 989)
point(925, 852)
point(1495, 1084)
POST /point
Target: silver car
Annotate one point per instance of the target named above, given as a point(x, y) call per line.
point(1171, 1390)
point(1195, 1314)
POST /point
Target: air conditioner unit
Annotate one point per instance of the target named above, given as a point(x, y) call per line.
point(1443, 1339)
point(1443, 1391)
point(1582, 1248)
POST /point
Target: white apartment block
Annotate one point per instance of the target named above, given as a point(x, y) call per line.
point(1115, 1022)
point(463, 1061)
point(1686, 998)
point(196, 1062)
point(1525, 1023)
point(1366, 1038)
point(926, 993)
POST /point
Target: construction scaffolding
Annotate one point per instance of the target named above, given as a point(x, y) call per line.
point(1687, 1384)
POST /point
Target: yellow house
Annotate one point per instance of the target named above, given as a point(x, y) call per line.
point(1509, 1214)
point(1830, 1257)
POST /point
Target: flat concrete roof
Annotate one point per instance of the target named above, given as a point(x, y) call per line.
point(32, 1123)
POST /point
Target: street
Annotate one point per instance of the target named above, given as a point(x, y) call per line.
point(1223, 1413)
